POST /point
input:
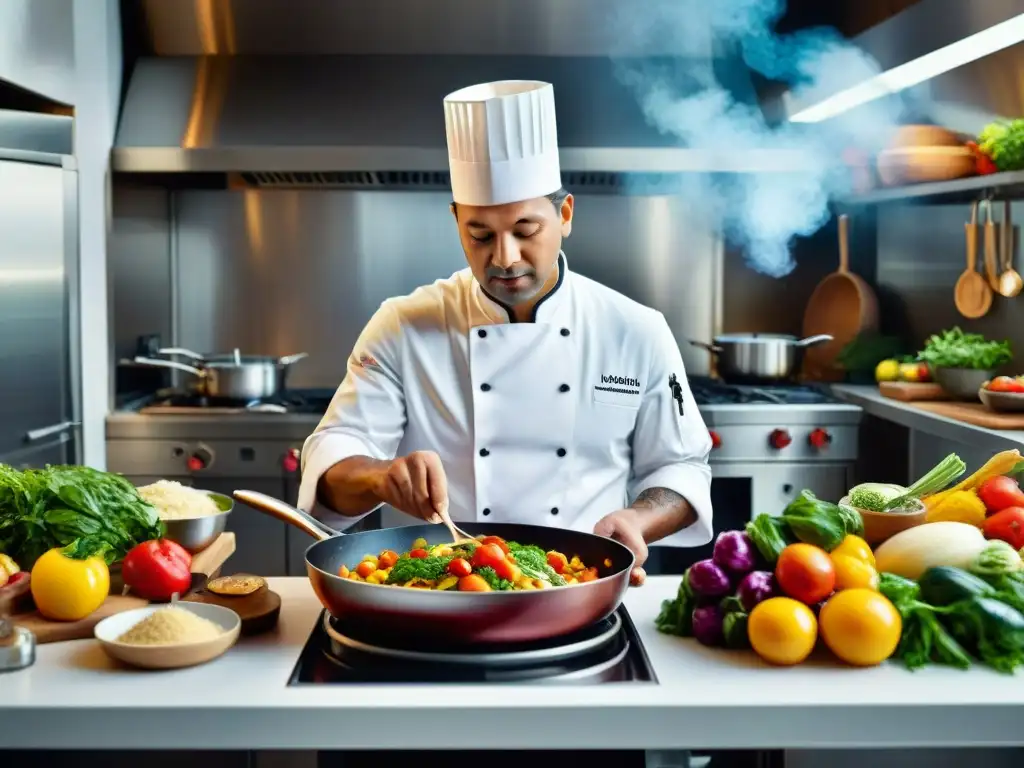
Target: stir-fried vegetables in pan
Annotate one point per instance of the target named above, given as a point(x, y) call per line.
point(490, 564)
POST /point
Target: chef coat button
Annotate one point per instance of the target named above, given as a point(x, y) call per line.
point(561, 452)
point(482, 333)
point(484, 452)
point(565, 331)
point(487, 511)
point(485, 387)
point(564, 388)
point(554, 510)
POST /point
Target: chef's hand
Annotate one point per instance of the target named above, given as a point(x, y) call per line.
point(416, 484)
point(622, 526)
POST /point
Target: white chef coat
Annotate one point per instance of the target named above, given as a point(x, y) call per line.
point(555, 422)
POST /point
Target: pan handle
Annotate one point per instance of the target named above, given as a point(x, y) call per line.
point(709, 347)
point(169, 364)
point(179, 351)
point(286, 513)
point(292, 359)
point(811, 341)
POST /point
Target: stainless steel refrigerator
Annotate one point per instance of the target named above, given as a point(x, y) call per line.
point(39, 392)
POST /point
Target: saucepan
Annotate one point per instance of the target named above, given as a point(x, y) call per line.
point(456, 618)
point(234, 376)
point(759, 357)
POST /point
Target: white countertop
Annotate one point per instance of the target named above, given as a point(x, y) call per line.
point(76, 697)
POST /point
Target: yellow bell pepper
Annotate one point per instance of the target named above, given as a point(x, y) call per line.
point(66, 589)
point(959, 507)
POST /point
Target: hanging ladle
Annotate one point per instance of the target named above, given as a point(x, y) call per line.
point(1010, 281)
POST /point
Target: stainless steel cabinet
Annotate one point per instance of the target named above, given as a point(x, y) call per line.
point(38, 261)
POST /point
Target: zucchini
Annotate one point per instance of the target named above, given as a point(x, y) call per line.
point(943, 585)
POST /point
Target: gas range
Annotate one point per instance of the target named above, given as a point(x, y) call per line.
point(784, 423)
point(607, 652)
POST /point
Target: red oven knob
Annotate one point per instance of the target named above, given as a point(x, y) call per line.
point(819, 438)
point(200, 459)
point(290, 462)
point(716, 439)
point(780, 439)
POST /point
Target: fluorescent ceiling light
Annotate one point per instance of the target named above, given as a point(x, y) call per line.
point(972, 48)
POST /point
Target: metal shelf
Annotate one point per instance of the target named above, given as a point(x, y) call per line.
point(997, 186)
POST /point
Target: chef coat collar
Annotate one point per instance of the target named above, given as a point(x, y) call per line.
point(544, 311)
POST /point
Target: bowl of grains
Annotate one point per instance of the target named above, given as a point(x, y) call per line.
point(169, 636)
point(194, 518)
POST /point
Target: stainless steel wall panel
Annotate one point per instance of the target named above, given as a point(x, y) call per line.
point(276, 272)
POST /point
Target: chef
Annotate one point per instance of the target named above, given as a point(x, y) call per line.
point(515, 390)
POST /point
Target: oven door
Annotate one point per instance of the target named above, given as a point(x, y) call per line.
point(740, 492)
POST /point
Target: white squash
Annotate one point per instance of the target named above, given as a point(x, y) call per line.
point(912, 552)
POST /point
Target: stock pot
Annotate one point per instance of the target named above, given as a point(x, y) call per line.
point(233, 376)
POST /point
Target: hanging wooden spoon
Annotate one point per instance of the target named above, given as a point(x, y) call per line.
point(1010, 281)
point(991, 249)
point(973, 295)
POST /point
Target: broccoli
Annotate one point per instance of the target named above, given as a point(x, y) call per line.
point(874, 496)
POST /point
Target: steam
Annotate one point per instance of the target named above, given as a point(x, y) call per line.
point(693, 99)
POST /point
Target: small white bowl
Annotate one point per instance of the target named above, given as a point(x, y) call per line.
point(173, 656)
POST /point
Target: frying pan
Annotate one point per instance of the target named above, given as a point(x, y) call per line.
point(456, 618)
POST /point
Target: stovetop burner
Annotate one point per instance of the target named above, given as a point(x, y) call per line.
point(708, 391)
point(609, 651)
point(307, 401)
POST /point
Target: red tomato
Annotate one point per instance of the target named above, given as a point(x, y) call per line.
point(387, 559)
point(460, 567)
point(1008, 526)
point(1000, 493)
point(506, 569)
point(473, 583)
point(419, 553)
point(1005, 384)
point(557, 561)
point(497, 541)
point(805, 573)
point(365, 568)
point(487, 556)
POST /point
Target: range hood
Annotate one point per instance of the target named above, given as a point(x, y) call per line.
point(307, 92)
point(372, 120)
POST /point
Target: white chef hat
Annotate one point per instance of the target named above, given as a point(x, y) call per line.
point(502, 142)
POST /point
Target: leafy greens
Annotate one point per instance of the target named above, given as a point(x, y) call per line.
point(89, 511)
point(956, 349)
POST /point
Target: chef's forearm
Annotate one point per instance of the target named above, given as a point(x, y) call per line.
point(662, 512)
point(352, 486)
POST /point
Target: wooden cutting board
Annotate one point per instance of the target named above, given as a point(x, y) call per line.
point(974, 413)
point(205, 565)
point(909, 391)
point(259, 611)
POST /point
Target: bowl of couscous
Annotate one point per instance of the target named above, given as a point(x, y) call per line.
point(169, 636)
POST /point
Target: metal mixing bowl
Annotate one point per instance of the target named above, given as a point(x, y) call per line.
point(197, 533)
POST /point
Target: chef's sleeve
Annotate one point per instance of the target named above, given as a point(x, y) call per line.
point(670, 449)
point(366, 417)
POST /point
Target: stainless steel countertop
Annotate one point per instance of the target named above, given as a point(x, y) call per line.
point(873, 403)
